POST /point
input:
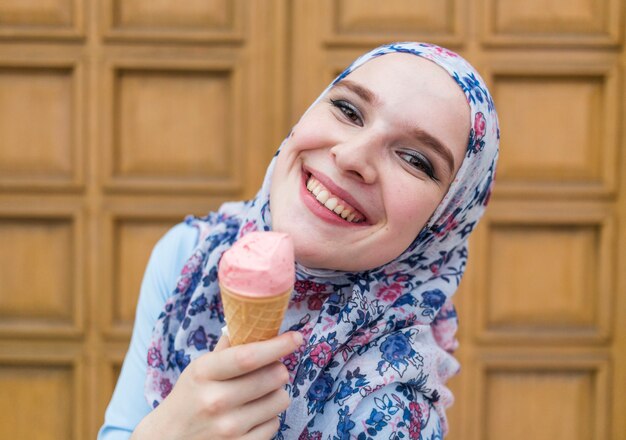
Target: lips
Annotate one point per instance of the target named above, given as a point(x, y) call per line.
point(330, 201)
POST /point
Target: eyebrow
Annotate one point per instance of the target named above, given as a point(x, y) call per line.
point(436, 145)
point(422, 136)
point(364, 93)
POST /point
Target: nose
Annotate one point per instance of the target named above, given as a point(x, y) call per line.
point(357, 157)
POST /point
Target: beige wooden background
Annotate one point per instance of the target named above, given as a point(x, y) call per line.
point(119, 117)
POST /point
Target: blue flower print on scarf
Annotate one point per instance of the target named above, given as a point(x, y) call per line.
point(376, 421)
point(432, 301)
point(353, 383)
point(198, 339)
point(474, 89)
point(398, 353)
point(344, 426)
point(320, 390)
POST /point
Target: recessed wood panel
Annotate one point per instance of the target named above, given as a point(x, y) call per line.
point(539, 405)
point(368, 17)
point(38, 124)
point(182, 15)
point(541, 394)
point(543, 276)
point(533, 112)
point(197, 113)
point(191, 111)
point(37, 266)
point(37, 402)
point(46, 13)
point(554, 21)
point(545, 272)
point(159, 20)
point(553, 16)
point(40, 19)
point(134, 240)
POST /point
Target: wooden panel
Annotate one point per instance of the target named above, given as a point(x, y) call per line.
point(49, 389)
point(47, 295)
point(41, 273)
point(198, 20)
point(543, 275)
point(364, 22)
point(41, 19)
point(541, 149)
point(198, 142)
point(546, 273)
point(41, 125)
point(538, 156)
point(549, 396)
point(591, 22)
point(41, 391)
point(514, 413)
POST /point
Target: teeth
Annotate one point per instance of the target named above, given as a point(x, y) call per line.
point(323, 196)
point(332, 203)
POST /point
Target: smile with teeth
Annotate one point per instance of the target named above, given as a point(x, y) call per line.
point(332, 202)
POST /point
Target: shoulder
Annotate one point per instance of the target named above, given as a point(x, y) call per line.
point(181, 238)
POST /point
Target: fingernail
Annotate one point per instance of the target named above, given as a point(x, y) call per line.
point(297, 338)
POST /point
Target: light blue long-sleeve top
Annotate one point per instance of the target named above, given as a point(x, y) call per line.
point(128, 405)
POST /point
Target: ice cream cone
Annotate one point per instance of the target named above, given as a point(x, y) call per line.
point(253, 319)
point(256, 277)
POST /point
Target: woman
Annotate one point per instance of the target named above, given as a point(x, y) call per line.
point(379, 184)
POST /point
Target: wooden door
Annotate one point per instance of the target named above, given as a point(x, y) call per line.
point(118, 118)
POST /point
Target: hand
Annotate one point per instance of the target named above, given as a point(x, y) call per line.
point(229, 393)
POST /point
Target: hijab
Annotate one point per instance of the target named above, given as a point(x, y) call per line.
point(392, 326)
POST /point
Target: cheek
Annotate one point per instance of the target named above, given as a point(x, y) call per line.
point(410, 206)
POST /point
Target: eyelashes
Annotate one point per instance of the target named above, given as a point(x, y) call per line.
point(414, 159)
point(349, 111)
point(418, 161)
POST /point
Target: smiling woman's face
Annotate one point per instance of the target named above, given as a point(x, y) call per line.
point(366, 167)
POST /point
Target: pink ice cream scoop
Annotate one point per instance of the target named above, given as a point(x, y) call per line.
point(260, 264)
point(256, 277)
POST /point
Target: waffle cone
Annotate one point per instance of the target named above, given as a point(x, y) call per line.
point(253, 319)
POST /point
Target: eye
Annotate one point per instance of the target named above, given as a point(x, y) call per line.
point(348, 110)
point(418, 162)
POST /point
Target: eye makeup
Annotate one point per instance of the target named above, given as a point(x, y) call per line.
point(349, 110)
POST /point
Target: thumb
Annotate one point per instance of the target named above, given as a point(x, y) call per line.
point(224, 341)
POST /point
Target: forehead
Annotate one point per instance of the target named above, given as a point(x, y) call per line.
point(406, 73)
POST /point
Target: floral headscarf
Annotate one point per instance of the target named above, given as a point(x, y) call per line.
point(389, 328)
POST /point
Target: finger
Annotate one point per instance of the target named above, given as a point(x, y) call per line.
point(264, 431)
point(222, 343)
point(257, 384)
point(242, 359)
point(260, 410)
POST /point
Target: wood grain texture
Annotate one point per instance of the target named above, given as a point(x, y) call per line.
point(553, 22)
point(42, 19)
